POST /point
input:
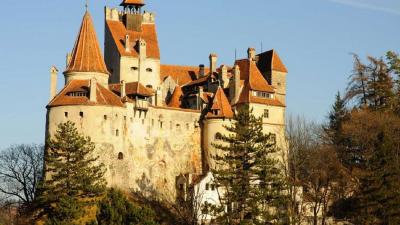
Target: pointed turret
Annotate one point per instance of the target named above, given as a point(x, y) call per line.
point(176, 98)
point(220, 107)
point(86, 59)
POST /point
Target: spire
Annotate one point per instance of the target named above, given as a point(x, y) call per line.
point(176, 98)
point(86, 55)
point(220, 107)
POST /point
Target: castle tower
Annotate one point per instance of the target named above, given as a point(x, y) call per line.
point(219, 115)
point(274, 71)
point(86, 60)
point(131, 47)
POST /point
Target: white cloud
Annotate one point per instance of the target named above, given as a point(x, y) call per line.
point(371, 5)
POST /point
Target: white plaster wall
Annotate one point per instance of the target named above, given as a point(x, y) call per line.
point(146, 78)
point(153, 155)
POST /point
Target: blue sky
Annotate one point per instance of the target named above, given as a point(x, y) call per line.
point(313, 37)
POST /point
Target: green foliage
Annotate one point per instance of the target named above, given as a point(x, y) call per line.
point(375, 137)
point(116, 209)
point(73, 179)
point(248, 170)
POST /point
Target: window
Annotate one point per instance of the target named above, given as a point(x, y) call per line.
point(161, 124)
point(187, 126)
point(273, 138)
point(77, 94)
point(178, 126)
point(105, 117)
point(261, 94)
point(149, 86)
point(218, 136)
point(66, 114)
point(213, 187)
point(149, 70)
point(266, 113)
point(124, 118)
point(81, 114)
point(120, 156)
point(152, 122)
point(117, 132)
point(207, 187)
point(134, 68)
point(142, 121)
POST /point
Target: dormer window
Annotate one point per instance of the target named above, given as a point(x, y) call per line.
point(262, 94)
point(78, 94)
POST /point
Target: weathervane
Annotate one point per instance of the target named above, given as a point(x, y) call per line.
point(87, 5)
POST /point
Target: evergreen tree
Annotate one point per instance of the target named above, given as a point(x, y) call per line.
point(248, 171)
point(337, 116)
point(375, 136)
point(73, 178)
point(394, 68)
point(116, 209)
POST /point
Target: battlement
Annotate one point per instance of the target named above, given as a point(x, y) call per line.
point(114, 14)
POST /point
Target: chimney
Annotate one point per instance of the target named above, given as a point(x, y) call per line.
point(201, 71)
point(123, 89)
point(200, 101)
point(224, 76)
point(251, 54)
point(127, 43)
point(68, 59)
point(53, 82)
point(93, 90)
point(159, 98)
point(142, 48)
point(236, 80)
point(213, 63)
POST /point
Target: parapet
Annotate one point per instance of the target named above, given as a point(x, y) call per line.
point(114, 14)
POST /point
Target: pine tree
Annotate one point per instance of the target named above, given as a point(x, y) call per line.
point(337, 116)
point(249, 173)
point(73, 178)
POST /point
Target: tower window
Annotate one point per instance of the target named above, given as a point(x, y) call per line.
point(117, 132)
point(134, 68)
point(105, 117)
point(120, 156)
point(81, 114)
point(149, 70)
point(266, 113)
point(161, 124)
point(218, 136)
point(66, 114)
point(187, 126)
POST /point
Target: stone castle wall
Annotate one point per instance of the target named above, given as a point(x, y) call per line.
point(157, 146)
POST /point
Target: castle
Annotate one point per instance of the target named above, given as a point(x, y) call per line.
point(151, 122)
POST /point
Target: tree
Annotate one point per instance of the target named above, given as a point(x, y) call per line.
point(301, 138)
point(375, 140)
point(337, 116)
point(248, 171)
point(394, 68)
point(73, 177)
point(357, 86)
point(116, 209)
point(21, 168)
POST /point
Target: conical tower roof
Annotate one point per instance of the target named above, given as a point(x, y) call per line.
point(220, 105)
point(86, 55)
point(176, 98)
point(133, 2)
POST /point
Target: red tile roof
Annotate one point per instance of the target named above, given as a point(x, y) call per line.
point(148, 33)
point(104, 96)
point(176, 98)
point(133, 2)
point(221, 103)
point(180, 74)
point(133, 88)
point(250, 74)
point(270, 60)
point(86, 55)
point(247, 97)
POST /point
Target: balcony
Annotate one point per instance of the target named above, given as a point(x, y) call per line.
point(141, 104)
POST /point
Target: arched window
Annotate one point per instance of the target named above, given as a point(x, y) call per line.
point(218, 136)
point(120, 156)
point(149, 70)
